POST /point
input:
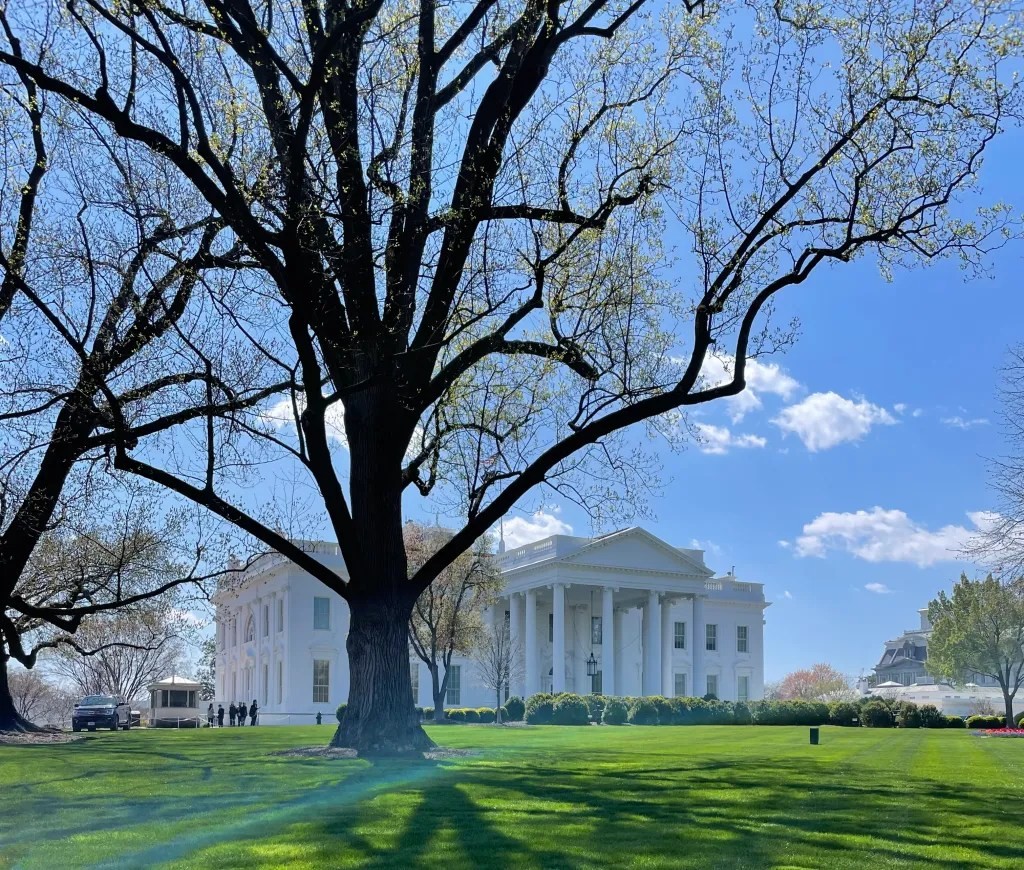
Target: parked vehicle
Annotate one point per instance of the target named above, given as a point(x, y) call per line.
point(101, 711)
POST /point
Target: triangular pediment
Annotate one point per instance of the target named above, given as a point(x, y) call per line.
point(637, 549)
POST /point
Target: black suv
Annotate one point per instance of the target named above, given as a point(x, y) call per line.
point(104, 710)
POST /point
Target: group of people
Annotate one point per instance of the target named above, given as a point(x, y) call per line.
point(236, 714)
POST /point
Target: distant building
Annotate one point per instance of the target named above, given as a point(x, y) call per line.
point(654, 618)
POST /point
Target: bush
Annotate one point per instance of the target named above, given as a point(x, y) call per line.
point(875, 714)
point(595, 704)
point(842, 713)
point(486, 714)
point(664, 709)
point(538, 709)
point(515, 709)
point(569, 709)
point(986, 722)
point(955, 722)
point(1020, 720)
point(710, 696)
point(340, 712)
point(931, 717)
point(615, 712)
point(642, 712)
point(456, 715)
point(790, 713)
point(428, 714)
point(908, 716)
point(741, 714)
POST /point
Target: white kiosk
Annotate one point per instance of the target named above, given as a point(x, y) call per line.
point(174, 703)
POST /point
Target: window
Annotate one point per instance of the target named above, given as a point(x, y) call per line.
point(321, 614)
point(414, 676)
point(596, 630)
point(508, 620)
point(280, 614)
point(551, 628)
point(250, 629)
point(741, 639)
point(234, 632)
point(177, 698)
point(679, 681)
point(321, 679)
point(454, 694)
point(266, 620)
point(680, 641)
point(713, 684)
point(710, 637)
point(595, 683)
point(743, 689)
point(266, 683)
point(280, 682)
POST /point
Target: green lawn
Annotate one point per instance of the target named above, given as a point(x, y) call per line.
point(537, 797)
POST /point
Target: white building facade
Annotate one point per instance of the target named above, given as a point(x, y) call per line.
point(654, 618)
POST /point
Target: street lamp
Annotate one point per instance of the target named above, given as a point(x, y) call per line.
point(591, 665)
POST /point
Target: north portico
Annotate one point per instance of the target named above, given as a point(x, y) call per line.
point(654, 617)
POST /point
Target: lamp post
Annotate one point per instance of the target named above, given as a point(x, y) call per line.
point(591, 665)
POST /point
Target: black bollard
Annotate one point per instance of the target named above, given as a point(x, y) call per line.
point(814, 737)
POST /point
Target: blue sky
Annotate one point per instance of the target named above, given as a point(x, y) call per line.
point(886, 405)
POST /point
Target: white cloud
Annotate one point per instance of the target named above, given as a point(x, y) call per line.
point(823, 420)
point(964, 423)
point(717, 440)
point(880, 535)
point(787, 595)
point(899, 407)
point(520, 530)
point(282, 414)
point(917, 412)
point(760, 377)
point(709, 547)
point(878, 588)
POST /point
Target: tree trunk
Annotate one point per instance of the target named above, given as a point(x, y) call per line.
point(10, 718)
point(1008, 700)
point(497, 705)
point(380, 717)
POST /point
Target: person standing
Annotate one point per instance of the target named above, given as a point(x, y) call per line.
point(220, 715)
point(241, 714)
point(232, 712)
point(209, 715)
point(253, 712)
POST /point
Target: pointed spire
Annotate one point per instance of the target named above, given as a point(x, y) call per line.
point(501, 535)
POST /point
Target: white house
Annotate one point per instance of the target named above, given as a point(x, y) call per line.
point(655, 618)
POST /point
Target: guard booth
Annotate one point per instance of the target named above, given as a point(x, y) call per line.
point(174, 703)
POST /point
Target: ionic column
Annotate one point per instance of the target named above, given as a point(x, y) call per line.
point(667, 643)
point(558, 641)
point(258, 681)
point(697, 641)
point(515, 631)
point(530, 645)
point(652, 644)
point(609, 628)
point(617, 647)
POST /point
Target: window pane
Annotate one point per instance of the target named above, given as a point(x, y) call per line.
point(595, 630)
point(595, 684)
point(711, 637)
point(713, 685)
point(551, 628)
point(321, 614)
point(321, 681)
point(680, 636)
point(741, 638)
point(414, 676)
point(280, 614)
point(454, 694)
point(266, 619)
point(680, 684)
point(743, 689)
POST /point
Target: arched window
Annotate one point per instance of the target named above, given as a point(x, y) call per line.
point(250, 629)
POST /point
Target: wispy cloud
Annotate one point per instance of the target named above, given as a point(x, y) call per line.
point(718, 440)
point(878, 588)
point(965, 423)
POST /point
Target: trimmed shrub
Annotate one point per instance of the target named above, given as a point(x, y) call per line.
point(986, 722)
point(515, 709)
point(538, 709)
point(1020, 720)
point(790, 713)
point(340, 711)
point(595, 704)
point(908, 715)
point(875, 714)
point(504, 715)
point(642, 712)
point(842, 713)
point(664, 709)
point(741, 714)
point(456, 715)
point(486, 715)
point(710, 696)
point(471, 715)
point(569, 709)
point(615, 712)
point(955, 722)
point(931, 717)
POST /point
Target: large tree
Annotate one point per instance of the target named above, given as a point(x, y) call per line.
point(819, 682)
point(484, 237)
point(979, 630)
point(499, 662)
point(448, 616)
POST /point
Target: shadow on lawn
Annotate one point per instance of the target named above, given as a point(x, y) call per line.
point(734, 814)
